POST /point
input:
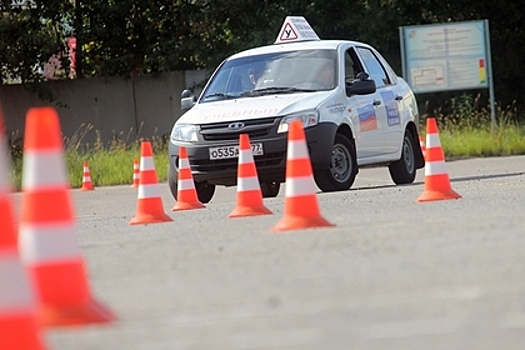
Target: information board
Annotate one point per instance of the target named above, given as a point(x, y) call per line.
point(441, 57)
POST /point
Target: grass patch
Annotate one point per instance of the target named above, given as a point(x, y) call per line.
point(487, 142)
point(468, 131)
point(108, 164)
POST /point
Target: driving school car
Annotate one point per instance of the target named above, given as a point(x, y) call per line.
point(355, 111)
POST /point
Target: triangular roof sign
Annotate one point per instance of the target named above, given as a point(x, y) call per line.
point(295, 28)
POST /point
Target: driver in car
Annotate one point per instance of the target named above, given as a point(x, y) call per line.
point(253, 76)
point(326, 75)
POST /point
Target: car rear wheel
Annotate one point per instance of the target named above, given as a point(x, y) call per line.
point(343, 167)
point(270, 189)
point(205, 191)
point(403, 171)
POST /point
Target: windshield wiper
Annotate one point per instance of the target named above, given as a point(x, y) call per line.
point(276, 90)
point(219, 96)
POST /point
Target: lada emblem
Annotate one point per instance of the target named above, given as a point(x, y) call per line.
point(236, 126)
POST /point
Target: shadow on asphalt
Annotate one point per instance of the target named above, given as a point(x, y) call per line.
point(457, 179)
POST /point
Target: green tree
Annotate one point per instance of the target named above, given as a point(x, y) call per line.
point(127, 38)
point(30, 36)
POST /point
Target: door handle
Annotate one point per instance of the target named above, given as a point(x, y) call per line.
point(399, 98)
point(376, 103)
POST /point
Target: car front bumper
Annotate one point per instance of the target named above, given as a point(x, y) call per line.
point(270, 166)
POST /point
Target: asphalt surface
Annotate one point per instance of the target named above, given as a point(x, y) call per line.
point(391, 274)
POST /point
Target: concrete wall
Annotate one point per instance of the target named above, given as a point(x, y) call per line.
point(144, 107)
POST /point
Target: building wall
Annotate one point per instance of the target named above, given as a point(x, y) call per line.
point(100, 110)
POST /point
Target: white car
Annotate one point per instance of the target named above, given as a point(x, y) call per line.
point(355, 110)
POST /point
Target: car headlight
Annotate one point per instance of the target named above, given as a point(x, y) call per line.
point(309, 118)
point(184, 132)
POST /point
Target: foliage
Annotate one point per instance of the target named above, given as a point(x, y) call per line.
point(127, 38)
point(30, 36)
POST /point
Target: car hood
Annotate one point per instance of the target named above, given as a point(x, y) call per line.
point(253, 107)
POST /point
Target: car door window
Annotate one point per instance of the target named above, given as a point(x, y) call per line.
point(352, 66)
point(374, 67)
point(349, 68)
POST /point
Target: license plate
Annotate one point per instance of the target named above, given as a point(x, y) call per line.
point(226, 152)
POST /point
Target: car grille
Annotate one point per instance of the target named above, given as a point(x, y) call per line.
point(254, 128)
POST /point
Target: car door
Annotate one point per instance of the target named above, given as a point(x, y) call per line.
point(388, 112)
point(363, 110)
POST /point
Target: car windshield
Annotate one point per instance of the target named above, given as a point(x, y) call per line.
point(273, 73)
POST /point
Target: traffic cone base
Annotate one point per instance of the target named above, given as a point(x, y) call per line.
point(249, 210)
point(146, 218)
point(87, 187)
point(301, 213)
point(299, 223)
point(249, 203)
point(150, 210)
point(90, 311)
point(432, 195)
point(188, 205)
point(19, 332)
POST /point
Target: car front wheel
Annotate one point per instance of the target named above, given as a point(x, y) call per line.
point(205, 191)
point(403, 171)
point(343, 167)
point(270, 189)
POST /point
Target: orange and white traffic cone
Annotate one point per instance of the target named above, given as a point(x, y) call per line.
point(301, 209)
point(149, 204)
point(87, 185)
point(186, 193)
point(249, 195)
point(422, 145)
point(136, 173)
point(47, 238)
point(18, 323)
point(437, 182)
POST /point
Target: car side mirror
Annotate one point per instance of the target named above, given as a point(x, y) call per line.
point(362, 76)
point(361, 87)
point(187, 100)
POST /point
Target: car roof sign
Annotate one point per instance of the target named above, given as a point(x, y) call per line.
point(295, 28)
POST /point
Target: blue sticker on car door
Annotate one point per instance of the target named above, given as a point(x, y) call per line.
point(392, 110)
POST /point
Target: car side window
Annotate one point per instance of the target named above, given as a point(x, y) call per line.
point(352, 66)
point(349, 68)
point(374, 67)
